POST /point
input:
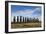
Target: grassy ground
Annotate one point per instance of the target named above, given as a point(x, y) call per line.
point(25, 25)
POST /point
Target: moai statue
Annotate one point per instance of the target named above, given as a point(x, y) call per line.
point(37, 20)
point(23, 19)
point(14, 19)
point(30, 20)
point(17, 19)
point(33, 19)
point(20, 18)
point(27, 20)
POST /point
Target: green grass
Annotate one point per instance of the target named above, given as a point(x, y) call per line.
point(25, 25)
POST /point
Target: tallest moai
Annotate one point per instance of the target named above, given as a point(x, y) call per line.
point(14, 19)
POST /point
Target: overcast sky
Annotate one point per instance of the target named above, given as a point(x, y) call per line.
point(26, 11)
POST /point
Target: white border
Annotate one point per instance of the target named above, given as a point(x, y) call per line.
point(23, 29)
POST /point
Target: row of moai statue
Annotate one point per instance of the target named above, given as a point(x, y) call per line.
point(22, 19)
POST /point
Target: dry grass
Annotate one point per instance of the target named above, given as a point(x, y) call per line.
point(25, 25)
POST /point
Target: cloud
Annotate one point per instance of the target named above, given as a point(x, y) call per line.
point(27, 11)
point(37, 9)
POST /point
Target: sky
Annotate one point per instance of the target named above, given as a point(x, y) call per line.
point(26, 11)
